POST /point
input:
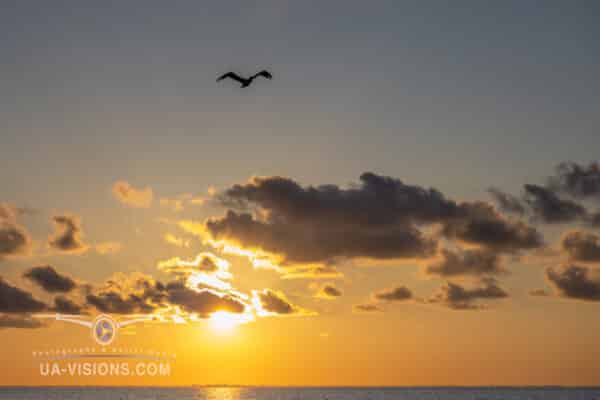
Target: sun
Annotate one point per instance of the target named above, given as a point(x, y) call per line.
point(224, 322)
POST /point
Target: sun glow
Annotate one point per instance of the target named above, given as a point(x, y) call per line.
point(224, 322)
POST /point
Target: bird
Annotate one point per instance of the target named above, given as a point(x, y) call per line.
point(245, 81)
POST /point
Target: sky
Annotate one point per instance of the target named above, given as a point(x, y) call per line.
point(340, 214)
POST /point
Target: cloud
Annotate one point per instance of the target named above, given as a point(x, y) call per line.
point(141, 294)
point(577, 180)
point(298, 244)
point(50, 280)
point(21, 321)
point(68, 235)
point(14, 239)
point(399, 293)
point(179, 203)
point(582, 246)
point(376, 201)
point(277, 223)
point(575, 282)
point(204, 301)
point(114, 302)
point(190, 296)
point(328, 292)
point(270, 302)
point(312, 272)
point(16, 300)
point(204, 271)
point(549, 208)
point(367, 308)
point(108, 247)
point(547, 203)
point(539, 293)
point(593, 219)
point(174, 204)
point(507, 202)
point(204, 262)
point(134, 294)
point(132, 197)
point(479, 223)
point(303, 225)
point(458, 297)
point(65, 305)
point(466, 262)
point(175, 241)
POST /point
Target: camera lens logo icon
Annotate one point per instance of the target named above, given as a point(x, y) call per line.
point(104, 330)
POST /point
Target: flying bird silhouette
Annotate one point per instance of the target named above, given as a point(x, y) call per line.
point(245, 81)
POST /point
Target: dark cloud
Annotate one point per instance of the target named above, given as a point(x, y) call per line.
point(128, 295)
point(507, 202)
point(458, 297)
point(22, 322)
point(204, 262)
point(204, 301)
point(50, 280)
point(399, 293)
point(539, 293)
point(379, 218)
point(479, 223)
point(65, 305)
point(275, 302)
point(16, 300)
point(329, 292)
point(376, 201)
point(466, 262)
point(593, 219)
point(145, 295)
point(575, 282)
point(68, 236)
point(300, 243)
point(14, 239)
point(374, 219)
point(312, 272)
point(547, 207)
point(116, 303)
point(582, 246)
point(577, 180)
point(367, 307)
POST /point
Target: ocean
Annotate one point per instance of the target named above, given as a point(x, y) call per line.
point(297, 393)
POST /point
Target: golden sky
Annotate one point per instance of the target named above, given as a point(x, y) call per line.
point(411, 200)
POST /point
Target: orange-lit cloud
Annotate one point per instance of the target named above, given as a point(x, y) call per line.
point(459, 297)
point(328, 292)
point(108, 247)
point(269, 302)
point(128, 195)
point(367, 308)
point(179, 203)
point(176, 241)
point(205, 270)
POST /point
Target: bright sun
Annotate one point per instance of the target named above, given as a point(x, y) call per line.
point(224, 322)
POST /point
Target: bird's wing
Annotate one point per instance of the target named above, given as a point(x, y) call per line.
point(231, 75)
point(264, 73)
